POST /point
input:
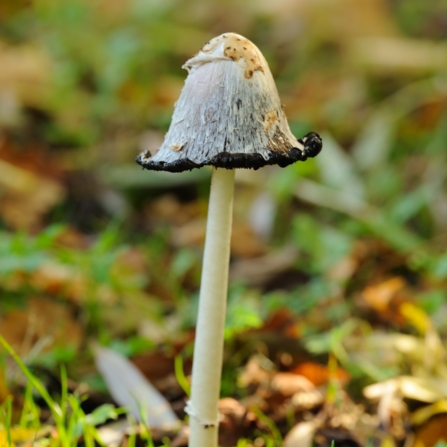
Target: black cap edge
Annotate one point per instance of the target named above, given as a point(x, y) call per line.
point(312, 143)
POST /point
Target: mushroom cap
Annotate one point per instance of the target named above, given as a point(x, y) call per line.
point(229, 114)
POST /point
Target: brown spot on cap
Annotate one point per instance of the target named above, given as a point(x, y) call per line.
point(244, 50)
point(176, 147)
point(269, 120)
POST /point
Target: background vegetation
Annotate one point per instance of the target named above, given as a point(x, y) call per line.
point(337, 261)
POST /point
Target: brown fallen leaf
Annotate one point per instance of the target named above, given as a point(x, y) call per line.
point(307, 400)
point(168, 208)
point(380, 295)
point(236, 420)
point(432, 432)
point(282, 321)
point(26, 196)
point(277, 394)
point(60, 280)
point(26, 73)
point(159, 368)
point(288, 383)
point(254, 373)
point(244, 241)
point(422, 415)
point(190, 234)
point(318, 374)
point(43, 323)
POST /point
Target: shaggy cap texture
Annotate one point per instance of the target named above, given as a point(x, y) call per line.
point(229, 114)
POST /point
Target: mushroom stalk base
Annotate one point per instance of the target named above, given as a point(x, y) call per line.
point(208, 349)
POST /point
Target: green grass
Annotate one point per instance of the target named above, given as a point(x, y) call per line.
point(69, 419)
point(180, 375)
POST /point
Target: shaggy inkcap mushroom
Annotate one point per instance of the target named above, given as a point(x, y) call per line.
point(229, 114)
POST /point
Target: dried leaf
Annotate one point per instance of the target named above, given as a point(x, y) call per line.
point(288, 384)
point(244, 241)
point(301, 435)
point(380, 295)
point(131, 389)
point(26, 72)
point(113, 434)
point(28, 196)
point(307, 400)
point(388, 441)
point(432, 432)
point(254, 373)
point(40, 325)
point(417, 388)
point(54, 278)
point(318, 374)
point(236, 419)
point(423, 414)
point(416, 316)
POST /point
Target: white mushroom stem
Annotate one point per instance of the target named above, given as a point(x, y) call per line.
point(209, 342)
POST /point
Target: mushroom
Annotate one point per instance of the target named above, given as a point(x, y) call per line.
point(228, 116)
